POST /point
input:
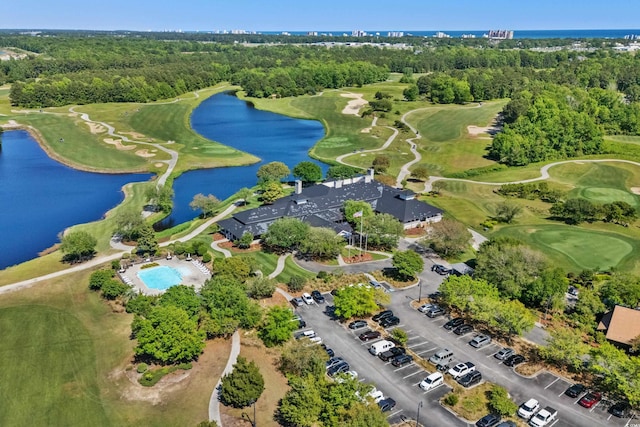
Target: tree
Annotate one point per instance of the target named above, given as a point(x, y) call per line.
point(235, 267)
point(448, 237)
point(351, 207)
point(207, 204)
point(261, 287)
point(307, 172)
point(507, 211)
point(355, 301)
point(461, 291)
point(617, 372)
point(244, 242)
point(363, 415)
point(621, 289)
point(408, 263)
point(114, 288)
point(322, 243)
point(383, 231)
point(565, 348)
point(400, 335)
point(619, 212)
point(244, 194)
point(286, 233)
point(575, 211)
point(168, 335)
point(303, 402)
point(420, 172)
point(128, 223)
point(300, 359)
point(78, 245)
point(243, 386)
point(274, 171)
point(510, 265)
point(184, 297)
point(99, 278)
point(550, 283)
point(278, 326)
point(381, 163)
point(271, 191)
point(147, 242)
point(500, 403)
point(411, 93)
point(342, 172)
point(161, 197)
point(228, 305)
point(513, 318)
point(296, 283)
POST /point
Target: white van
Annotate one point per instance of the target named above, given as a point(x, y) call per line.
point(432, 381)
point(380, 346)
point(305, 334)
point(442, 357)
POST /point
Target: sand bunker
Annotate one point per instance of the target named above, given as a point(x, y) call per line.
point(158, 165)
point(365, 130)
point(118, 144)
point(492, 129)
point(95, 127)
point(353, 106)
point(11, 124)
point(635, 190)
point(144, 153)
point(135, 135)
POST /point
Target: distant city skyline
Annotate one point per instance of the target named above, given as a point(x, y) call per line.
point(326, 15)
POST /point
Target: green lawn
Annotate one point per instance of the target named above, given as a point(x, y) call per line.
point(48, 372)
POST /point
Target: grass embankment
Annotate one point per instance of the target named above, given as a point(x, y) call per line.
point(573, 248)
point(65, 354)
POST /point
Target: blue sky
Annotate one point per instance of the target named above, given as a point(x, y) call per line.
point(329, 15)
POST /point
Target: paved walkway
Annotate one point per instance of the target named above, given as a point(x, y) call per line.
point(215, 247)
point(404, 170)
point(279, 266)
point(340, 159)
point(214, 401)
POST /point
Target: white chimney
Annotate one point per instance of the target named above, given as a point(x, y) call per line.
point(339, 183)
point(298, 186)
point(369, 176)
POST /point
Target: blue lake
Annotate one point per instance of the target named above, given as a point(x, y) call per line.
point(40, 197)
point(236, 123)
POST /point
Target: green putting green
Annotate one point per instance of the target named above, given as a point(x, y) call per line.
point(48, 371)
point(606, 195)
point(585, 248)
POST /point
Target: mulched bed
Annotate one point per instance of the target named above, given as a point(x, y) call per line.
point(355, 259)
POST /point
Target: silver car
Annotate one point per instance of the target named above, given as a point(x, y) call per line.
point(480, 341)
point(504, 353)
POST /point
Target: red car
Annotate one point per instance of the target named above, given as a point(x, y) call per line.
point(590, 399)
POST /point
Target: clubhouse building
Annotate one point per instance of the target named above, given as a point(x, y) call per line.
point(321, 205)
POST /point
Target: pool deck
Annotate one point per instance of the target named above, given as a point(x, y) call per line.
point(196, 276)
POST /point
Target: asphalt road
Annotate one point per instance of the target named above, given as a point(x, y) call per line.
point(426, 336)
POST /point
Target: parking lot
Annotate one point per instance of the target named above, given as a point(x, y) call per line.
point(426, 336)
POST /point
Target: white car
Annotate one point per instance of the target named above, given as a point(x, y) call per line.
point(462, 369)
point(432, 381)
point(376, 395)
point(528, 408)
point(307, 298)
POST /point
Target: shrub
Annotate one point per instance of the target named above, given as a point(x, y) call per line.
point(296, 283)
point(149, 265)
point(151, 378)
point(142, 368)
point(451, 399)
point(500, 403)
point(400, 336)
point(206, 257)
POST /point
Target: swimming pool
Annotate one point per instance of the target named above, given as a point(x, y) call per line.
point(160, 278)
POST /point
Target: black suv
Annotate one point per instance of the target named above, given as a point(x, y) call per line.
point(389, 321)
point(514, 360)
point(489, 420)
point(453, 323)
point(401, 360)
point(391, 353)
point(575, 390)
point(387, 404)
point(463, 329)
point(317, 296)
point(470, 379)
point(378, 317)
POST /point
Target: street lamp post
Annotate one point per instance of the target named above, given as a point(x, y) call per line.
point(418, 414)
point(244, 414)
point(419, 290)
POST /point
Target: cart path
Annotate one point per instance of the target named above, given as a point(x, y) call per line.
point(214, 401)
point(404, 170)
point(279, 266)
point(544, 173)
point(340, 159)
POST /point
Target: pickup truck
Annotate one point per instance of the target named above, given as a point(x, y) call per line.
point(462, 369)
point(544, 417)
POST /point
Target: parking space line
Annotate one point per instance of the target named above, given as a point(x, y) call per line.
point(403, 367)
point(554, 381)
point(394, 413)
point(410, 375)
point(413, 337)
point(594, 407)
point(418, 345)
point(492, 354)
point(427, 351)
point(438, 386)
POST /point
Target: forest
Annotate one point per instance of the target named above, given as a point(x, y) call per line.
point(562, 101)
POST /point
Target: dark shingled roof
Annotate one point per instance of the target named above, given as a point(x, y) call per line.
point(321, 206)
